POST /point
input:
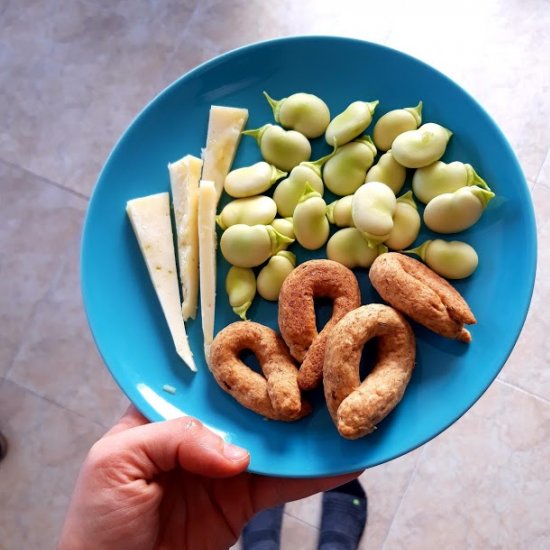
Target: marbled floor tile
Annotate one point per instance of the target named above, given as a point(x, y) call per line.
point(384, 486)
point(485, 482)
point(58, 358)
point(244, 22)
point(306, 509)
point(297, 534)
point(46, 447)
point(498, 51)
point(37, 221)
point(76, 79)
point(529, 364)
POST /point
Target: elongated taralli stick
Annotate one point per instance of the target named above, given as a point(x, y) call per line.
point(184, 181)
point(207, 260)
point(150, 218)
point(224, 133)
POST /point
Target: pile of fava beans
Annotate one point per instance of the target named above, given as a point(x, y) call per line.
point(373, 218)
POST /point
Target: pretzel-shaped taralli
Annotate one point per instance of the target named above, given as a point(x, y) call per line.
point(357, 407)
point(413, 288)
point(275, 395)
point(314, 279)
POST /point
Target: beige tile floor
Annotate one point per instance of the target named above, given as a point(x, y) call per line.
point(73, 75)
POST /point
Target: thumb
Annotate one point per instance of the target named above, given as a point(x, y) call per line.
point(143, 452)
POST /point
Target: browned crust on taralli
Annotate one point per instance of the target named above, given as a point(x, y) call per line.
point(314, 279)
point(357, 407)
point(275, 395)
point(413, 288)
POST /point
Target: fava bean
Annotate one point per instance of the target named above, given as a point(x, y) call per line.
point(372, 209)
point(395, 122)
point(350, 123)
point(311, 225)
point(450, 259)
point(285, 149)
point(305, 113)
point(439, 178)
point(454, 212)
point(251, 180)
point(285, 226)
point(350, 248)
point(250, 211)
point(406, 223)
point(251, 245)
point(240, 285)
point(418, 148)
point(339, 212)
point(345, 172)
point(288, 192)
point(273, 275)
point(387, 170)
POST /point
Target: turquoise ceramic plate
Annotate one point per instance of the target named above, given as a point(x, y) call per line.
point(126, 319)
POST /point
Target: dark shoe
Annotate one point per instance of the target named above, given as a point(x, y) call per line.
point(263, 531)
point(344, 517)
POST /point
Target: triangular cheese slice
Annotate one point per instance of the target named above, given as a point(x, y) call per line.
point(207, 262)
point(184, 181)
point(225, 125)
point(150, 218)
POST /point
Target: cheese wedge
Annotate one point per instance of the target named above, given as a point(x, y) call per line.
point(184, 181)
point(224, 133)
point(207, 260)
point(150, 218)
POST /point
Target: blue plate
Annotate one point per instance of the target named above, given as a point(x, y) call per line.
point(126, 319)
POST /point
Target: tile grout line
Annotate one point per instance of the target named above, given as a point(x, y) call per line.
point(413, 475)
point(540, 183)
point(546, 157)
point(46, 180)
point(523, 390)
point(405, 492)
point(47, 292)
point(55, 403)
point(56, 277)
point(171, 56)
point(302, 521)
point(27, 322)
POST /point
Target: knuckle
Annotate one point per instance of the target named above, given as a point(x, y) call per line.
point(107, 462)
point(97, 454)
point(190, 424)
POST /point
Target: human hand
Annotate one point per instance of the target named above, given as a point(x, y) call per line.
point(172, 484)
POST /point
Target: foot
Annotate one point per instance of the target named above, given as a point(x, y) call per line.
point(3, 446)
point(263, 531)
point(344, 517)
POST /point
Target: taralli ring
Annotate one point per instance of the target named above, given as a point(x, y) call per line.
point(276, 394)
point(310, 280)
point(357, 407)
point(411, 287)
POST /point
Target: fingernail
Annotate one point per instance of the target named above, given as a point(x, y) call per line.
point(234, 453)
